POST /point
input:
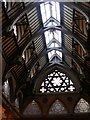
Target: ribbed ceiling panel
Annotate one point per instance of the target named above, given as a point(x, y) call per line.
point(34, 20)
point(67, 14)
point(39, 45)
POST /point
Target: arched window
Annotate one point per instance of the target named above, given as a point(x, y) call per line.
point(57, 82)
point(57, 108)
point(6, 89)
point(82, 106)
point(32, 109)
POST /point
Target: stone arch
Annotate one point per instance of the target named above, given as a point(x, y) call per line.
point(60, 68)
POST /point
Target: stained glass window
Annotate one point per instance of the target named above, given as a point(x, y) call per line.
point(57, 82)
point(82, 106)
point(57, 108)
point(32, 109)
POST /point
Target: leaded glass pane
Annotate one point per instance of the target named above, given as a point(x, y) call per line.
point(57, 108)
point(57, 82)
point(82, 106)
point(32, 109)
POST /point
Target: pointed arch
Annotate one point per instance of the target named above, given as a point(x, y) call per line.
point(82, 106)
point(32, 109)
point(57, 82)
point(57, 108)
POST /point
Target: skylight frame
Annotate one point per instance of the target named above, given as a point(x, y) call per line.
point(52, 37)
point(47, 8)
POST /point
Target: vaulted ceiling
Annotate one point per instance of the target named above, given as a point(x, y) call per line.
point(45, 54)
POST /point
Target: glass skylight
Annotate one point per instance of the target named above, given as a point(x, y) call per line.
point(50, 12)
point(53, 35)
